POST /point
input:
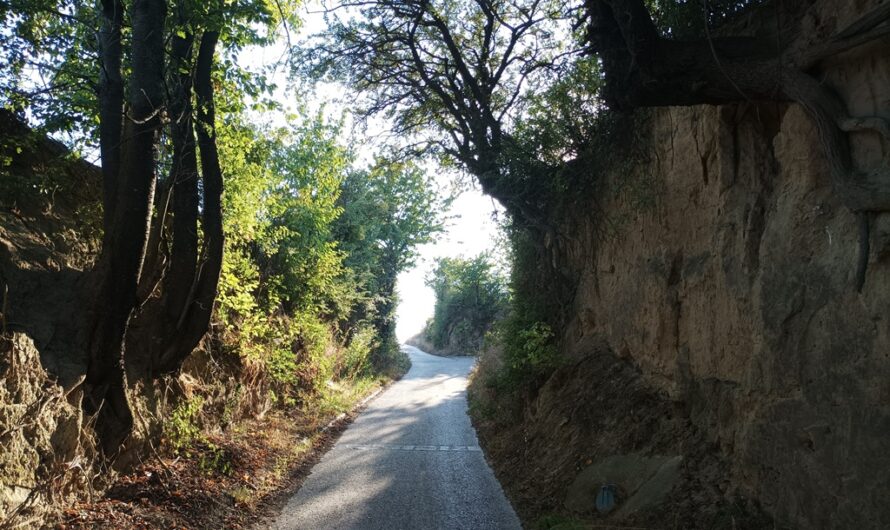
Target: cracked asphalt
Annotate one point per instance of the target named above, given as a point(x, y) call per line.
point(411, 460)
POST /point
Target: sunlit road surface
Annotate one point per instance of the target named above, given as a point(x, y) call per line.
point(410, 461)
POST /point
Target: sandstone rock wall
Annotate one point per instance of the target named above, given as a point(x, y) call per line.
point(45, 459)
point(725, 267)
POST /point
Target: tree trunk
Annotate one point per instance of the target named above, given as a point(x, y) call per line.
point(111, 103)
point(193, 320)
point(124, 247)
point(184, 182)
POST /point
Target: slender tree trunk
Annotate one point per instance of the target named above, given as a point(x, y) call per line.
point(194, 319)
point(157, 249)
point(213, 188)
point(184, 180)
point(124, 248)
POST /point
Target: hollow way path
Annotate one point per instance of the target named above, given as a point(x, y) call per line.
point(411, 460)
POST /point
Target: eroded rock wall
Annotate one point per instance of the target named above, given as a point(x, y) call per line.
point(724, 267)
point(45, 458)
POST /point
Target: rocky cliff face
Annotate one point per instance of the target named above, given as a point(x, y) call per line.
point(724, 267)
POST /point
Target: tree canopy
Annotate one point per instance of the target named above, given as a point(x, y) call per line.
point(452, 74)
point(471, 296)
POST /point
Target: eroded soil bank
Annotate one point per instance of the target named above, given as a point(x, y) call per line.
point(713, 315)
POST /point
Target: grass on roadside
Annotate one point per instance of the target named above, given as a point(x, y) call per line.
point(226, 479)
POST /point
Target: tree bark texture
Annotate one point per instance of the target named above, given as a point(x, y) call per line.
point(195, 318)
point(121, 262)
point(111, 103)
point(177, 313)
point(184, 183)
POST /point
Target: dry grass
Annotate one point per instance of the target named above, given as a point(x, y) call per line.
point(228, 479)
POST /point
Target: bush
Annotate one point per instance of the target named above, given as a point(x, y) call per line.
point(356, 356)
point(536, 349)
point(183, 428)
point(471, 295)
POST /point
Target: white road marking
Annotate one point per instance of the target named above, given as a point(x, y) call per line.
point(370, 447)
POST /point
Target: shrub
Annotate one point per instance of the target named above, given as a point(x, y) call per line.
point(183, 428)
point(471, 295)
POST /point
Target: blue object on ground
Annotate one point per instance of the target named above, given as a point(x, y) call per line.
point(605, 499)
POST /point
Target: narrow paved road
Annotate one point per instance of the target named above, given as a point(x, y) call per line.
point(409, 461)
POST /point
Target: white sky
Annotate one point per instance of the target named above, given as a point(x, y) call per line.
point(471, 228)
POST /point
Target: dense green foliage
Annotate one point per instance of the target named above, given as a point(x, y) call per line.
point(48, 63)
point(313, 249)
point(313, 243)
point(389, 210)
point(50, 68)
point(526, 338)
point(471, 296)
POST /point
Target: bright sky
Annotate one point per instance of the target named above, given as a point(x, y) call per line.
point(471, 228)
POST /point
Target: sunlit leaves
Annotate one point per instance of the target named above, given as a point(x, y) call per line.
point(471, 295)
point(313, 243)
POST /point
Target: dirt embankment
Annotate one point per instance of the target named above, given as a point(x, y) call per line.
point(722, 269)
point(596, 422)
point(49, 215)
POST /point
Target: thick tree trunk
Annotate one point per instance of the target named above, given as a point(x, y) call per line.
point(184, 182)
point(124, 248)
point(111, 103)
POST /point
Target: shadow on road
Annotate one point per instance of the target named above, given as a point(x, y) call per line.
point(411, 460)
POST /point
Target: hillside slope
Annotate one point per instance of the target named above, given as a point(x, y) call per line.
point(49, 211)
point(718, 274)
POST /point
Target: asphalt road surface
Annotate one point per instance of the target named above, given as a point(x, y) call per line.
point(410, 461)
